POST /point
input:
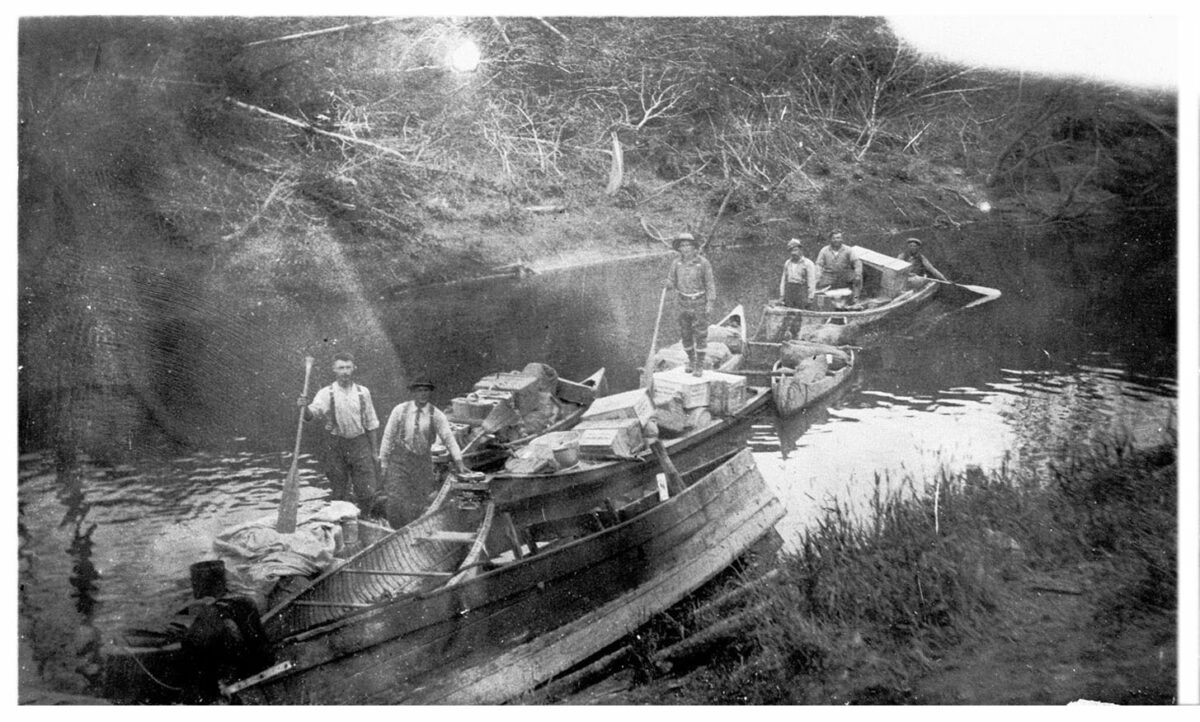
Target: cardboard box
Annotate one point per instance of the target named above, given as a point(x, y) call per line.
point(693, 390)
point(726, 392)
point(634, 404)
point(610, 438)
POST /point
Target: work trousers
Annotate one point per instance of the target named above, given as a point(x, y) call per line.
point(350, 467)
point(795, 295)
point(693, 324)
point(410, 483)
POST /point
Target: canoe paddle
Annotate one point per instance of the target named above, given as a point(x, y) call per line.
point(989, 294)
point(290, 500)
point(648, 369)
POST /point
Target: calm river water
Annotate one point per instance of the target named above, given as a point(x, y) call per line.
point(1058, 359)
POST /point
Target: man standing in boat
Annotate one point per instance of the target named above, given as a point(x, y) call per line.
point(405, 454)
point(921, 267)
point(799, 282)
point(691, 277)
point(349, 453)
point(838, 266)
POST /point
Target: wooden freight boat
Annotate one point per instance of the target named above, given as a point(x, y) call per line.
point(496, 629)
point(527, 496)
point(808, 372)
point(730, 332)
point(889, 290)
point(483, 446)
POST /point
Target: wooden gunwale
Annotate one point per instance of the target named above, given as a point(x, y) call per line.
point(375, 654)
point(511, 489)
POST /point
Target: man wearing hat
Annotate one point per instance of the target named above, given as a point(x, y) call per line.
point(691, 277)
point(348, 457)
point(920, 264)
point(799, 282)
point(405, 454)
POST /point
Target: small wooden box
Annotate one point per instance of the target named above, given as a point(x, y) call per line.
point(610, 438)
point(634, 404)
point(693, 390)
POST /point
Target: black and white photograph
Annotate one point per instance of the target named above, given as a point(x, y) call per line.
point(629, 358)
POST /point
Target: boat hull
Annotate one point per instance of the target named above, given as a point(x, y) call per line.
point(833, 327)
point(791, 395)
point(573, 490)
point(487, 639)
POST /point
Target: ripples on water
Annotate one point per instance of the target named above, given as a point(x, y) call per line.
point(103, 545)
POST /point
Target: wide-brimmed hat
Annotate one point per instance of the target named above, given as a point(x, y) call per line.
point(681, 238)
point(914, 240)
point(795, 243)
point(421, 382)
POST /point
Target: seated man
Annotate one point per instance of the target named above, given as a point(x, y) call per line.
point(838, 266)
point(921, 267)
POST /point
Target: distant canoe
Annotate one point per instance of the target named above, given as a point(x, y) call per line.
point(812, 374)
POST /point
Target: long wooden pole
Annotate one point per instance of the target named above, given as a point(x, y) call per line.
point(290, 501)
point(648, 369)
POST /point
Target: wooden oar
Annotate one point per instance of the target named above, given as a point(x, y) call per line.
point(290, 500)
point(648, 369)
point(989, 294)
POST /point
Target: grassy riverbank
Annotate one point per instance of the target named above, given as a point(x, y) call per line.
point(976, 589)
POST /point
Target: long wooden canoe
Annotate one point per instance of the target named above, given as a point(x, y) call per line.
point(888, 292)
point(486, 638)
point(795, 387)
point(587, 482)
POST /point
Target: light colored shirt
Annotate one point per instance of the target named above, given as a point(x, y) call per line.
point(691, 278)
point(799, 272)
point(834, 266)
point(416, 431)
point(353, 411)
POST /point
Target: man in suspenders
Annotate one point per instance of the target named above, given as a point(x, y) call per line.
point(409, 476)
point(349, 454)
point(691, 277)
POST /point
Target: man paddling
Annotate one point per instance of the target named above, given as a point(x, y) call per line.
point(691, 277)
point(921, 267)
point(839, 266)
point(348, 456)
point(405, 456)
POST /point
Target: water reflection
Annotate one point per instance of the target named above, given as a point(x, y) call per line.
point(105, 540)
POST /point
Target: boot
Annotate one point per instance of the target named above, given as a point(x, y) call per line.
point(698, 366)
point(690, 367)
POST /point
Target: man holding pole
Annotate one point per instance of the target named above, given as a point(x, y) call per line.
point(691, 276)
point(349, 454)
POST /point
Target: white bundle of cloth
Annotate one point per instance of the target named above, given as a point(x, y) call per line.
point(256, 556)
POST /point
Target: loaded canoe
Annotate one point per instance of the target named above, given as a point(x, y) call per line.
point(808, 372)
point(527, 616)
point(589, 480)
point(889, 290)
